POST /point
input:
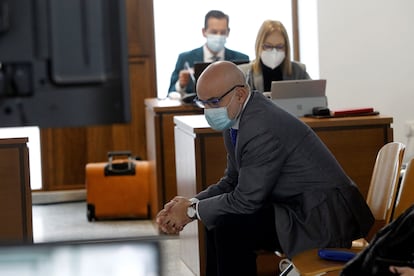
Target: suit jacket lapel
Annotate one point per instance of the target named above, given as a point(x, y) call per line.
point(199, 55)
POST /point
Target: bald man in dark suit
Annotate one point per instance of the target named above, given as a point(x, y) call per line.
point(282, 189)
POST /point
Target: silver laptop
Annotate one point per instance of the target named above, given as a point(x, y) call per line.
point(299, 97)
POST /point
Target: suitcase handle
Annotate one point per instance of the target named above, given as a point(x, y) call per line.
point(119, 153)
point(117, 169)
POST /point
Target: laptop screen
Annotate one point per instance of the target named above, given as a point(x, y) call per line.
point(299, 97)
point(298, 89)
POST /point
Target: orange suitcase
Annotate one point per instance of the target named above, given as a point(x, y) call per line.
point(118, 188)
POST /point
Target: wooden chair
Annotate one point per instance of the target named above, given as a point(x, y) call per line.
point(381, 197)
point(384, 184)
point(405, 197)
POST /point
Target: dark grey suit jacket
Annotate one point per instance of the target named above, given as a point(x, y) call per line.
point(279, 160)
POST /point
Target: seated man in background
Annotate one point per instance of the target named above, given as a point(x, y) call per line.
point(282, 189)
point(216, 30)
point(273, 58)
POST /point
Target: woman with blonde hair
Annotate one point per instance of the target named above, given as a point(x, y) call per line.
point(273, 59)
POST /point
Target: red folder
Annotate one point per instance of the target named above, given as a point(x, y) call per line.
point(352, 111)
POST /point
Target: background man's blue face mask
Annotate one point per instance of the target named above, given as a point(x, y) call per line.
point(216, 42)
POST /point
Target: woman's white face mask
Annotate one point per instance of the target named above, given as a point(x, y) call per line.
point(272, 58)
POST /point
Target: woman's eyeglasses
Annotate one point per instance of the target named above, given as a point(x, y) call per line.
point(268, 47)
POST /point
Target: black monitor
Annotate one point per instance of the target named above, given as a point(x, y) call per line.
point(63, 63)
point(199, 66)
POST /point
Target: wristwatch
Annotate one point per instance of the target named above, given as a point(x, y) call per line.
point(192, 209)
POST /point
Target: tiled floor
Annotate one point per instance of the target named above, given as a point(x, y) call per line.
point(68, 222)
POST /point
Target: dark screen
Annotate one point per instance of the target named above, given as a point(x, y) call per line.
point(141, 256)
point(63, 63)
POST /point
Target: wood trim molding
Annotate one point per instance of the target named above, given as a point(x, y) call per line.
point(295, 30)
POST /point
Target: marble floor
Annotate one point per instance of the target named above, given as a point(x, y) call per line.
point(67, 222)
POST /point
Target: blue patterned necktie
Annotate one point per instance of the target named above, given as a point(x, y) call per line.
point(233, 135)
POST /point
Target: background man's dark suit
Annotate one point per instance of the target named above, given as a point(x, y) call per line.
point(196, 55)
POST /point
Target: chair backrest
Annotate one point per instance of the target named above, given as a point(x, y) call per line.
point(381, 197)
point(405, 197)
point(384, 181)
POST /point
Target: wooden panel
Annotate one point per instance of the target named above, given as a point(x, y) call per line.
point(356, 150)
point(212, 147)
point(10, 195)
point(153, 154)
point(63, 157)
point(99, 140)
point(15, 196)
point(140, 27)
point(169, 158)
point(348, 121)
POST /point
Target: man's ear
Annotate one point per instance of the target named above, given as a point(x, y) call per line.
point(203, 31)
point(241, 94)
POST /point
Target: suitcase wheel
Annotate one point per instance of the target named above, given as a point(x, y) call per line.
point(90, 212)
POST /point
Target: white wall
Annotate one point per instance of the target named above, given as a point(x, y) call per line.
point(366, 52)
point(308, 36)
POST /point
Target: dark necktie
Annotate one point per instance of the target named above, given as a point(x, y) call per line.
point(233, 135)
point(215, 58)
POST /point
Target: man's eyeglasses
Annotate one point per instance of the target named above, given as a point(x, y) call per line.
point(214, 102)
point(268, 47)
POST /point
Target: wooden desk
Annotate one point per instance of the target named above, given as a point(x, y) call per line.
point(15, 193)
point(355, 142)
point(201, 160)
point(160, 147)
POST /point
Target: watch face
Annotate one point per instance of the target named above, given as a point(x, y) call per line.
point(191, 212)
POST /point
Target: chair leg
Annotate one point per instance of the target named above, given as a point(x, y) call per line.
point(286, 271)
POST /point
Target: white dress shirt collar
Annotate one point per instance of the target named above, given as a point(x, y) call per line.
point(208, 55)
